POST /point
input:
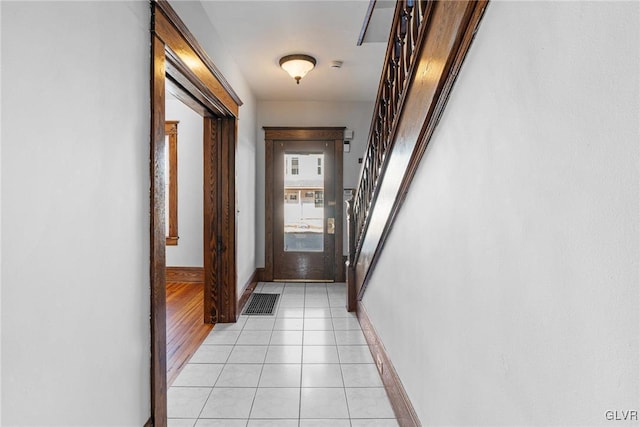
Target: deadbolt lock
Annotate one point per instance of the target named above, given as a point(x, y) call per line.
point(331, 225)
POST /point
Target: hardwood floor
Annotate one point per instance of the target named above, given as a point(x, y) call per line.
point(186, 329)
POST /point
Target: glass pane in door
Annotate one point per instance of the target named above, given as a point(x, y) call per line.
point(303, 202)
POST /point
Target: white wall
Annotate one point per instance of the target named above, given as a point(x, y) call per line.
point(1, 216)
point(75, 209)
point(507, 293)
point(188, 252)
point(354, 115)
point(196, 20)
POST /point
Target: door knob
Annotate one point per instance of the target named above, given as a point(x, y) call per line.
point(331, 225)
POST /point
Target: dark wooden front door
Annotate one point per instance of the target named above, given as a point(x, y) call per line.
point(306, 205)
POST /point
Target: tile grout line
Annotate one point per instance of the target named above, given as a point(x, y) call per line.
point(262, 367)
point(259, 378)
point(344, 386)
point(219, 375)
point(265, 355)
point(304, 309)
point(301, 352)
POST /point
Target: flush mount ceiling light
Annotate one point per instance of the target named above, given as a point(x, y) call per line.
point(297, 65)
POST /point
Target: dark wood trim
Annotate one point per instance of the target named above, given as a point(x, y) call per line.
point(345, 258)
point(247, 290)
point(184, 51)
point(185, 274)
point(267, 273)
point(192, 98)
point(211, 219)
point(351, 288)
point(260, 274)
point(182, 76)
point(149, 423)
point(402, 406)
point(228, 273)
point(219, 226)
point(338, 268)
point(447, 39)
point(171, 130)
point(157, 235)
point(367, 20)
point(197, 48)
point(284, 133)
point(350, 263)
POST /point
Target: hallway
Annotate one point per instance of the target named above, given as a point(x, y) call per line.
point(307, 365)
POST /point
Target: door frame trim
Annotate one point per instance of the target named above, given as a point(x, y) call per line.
point(175, 51)
point(335, 134)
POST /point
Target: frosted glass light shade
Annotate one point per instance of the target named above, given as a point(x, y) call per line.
point(297, 65)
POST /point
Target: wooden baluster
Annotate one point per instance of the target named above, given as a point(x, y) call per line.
point(359, 218)
point(373, 170)
point(422, 7)
point(389, 87)
point(402, 37)
point(404, 25)
point(386, 104)
point(357, 212)
point(409, 42)
point(380, 159)
point(391, 107)
point(415, 25)
point(372, 178)
point(397, 48)
point(365, 187)
point(376, 166)
point(420, 13)
point(377, 133)
point(381, 116)
point(385, 119)
point(377, 140)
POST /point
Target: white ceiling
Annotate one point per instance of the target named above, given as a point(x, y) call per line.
point(259, 33)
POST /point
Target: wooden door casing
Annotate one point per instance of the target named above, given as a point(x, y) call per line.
point(180, 62)
point(219, 237)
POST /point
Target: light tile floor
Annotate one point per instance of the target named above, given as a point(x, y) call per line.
point(306, 366)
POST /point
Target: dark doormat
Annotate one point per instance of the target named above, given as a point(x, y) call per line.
point(261, 304)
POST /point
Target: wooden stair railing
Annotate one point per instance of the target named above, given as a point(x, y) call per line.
point(427, 45)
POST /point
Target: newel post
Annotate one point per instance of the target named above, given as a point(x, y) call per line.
point(351, 262)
